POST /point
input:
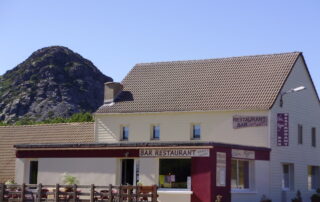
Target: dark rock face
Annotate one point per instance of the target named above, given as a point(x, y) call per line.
point(52, 82)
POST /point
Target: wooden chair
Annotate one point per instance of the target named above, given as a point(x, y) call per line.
point(128, 190)
point(104, 194)
point(146, 190)
point(44, 194)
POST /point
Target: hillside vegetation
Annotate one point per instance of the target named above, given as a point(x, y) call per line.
point(78, 117)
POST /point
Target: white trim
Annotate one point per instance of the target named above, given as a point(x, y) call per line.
point(174, 191)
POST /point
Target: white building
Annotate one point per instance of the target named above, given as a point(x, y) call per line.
point(198, 129)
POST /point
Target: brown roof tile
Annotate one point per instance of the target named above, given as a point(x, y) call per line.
point(45, 133)
point(237, 83)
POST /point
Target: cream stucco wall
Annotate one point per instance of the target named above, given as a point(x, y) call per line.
point(176, 126)
point(303, 108)
point(149, 170)
point(20, 170)
point(98, 171)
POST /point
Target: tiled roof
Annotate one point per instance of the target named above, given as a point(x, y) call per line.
point(236, 83)
point(46, 133)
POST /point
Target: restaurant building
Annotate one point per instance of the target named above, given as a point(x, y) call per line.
point(231, 128)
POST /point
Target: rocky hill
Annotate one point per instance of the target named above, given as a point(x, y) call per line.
point(53, 82)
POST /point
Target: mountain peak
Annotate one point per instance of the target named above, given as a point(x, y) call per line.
point(53, 82)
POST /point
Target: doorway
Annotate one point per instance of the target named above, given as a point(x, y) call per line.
point(33, 172)
point(127, 171)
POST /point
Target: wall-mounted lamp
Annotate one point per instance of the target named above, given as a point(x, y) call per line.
point(293, 90)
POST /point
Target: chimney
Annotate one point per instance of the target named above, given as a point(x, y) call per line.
point(111, 91)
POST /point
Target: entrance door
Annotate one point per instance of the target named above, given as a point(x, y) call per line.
point(127, 171)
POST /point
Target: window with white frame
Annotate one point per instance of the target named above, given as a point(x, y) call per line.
point(241, 174)
point(124, 132)
point(196, 131)
point(155, 132)
point(287, 176)
point(313, 177)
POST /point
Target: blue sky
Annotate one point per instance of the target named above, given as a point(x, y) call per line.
point(115, 35)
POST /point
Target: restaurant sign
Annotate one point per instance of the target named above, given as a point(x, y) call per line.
point(283, 129)
point(174, 152)
point(249, 121)
point(243, 154)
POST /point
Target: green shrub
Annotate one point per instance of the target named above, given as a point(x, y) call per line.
point(297, 198)
point(78, 117)
point(316, 196)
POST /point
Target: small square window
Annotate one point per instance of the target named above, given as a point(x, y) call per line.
point(196, 131)
point(125, 133)
point(313, 137)
point(155, 130)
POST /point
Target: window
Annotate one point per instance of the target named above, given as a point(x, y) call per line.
point(240, 174)
point(33, 175)
point(313, 137)
point(175, 173)
point(124, 133)
point(196, 131)
point(155, 130)
point(313, 177)
point(300, 134)
point(287, 176)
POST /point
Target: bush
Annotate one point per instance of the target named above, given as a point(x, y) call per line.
point(70, 180)
point(298, 197)
point(10, 182)
point(316, 197)
point(265, 199)
point(78, 117)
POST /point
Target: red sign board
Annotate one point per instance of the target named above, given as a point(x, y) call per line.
point(283, 129)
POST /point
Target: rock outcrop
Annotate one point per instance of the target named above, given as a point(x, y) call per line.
point(52, 82)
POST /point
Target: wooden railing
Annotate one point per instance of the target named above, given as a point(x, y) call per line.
point(76, 193)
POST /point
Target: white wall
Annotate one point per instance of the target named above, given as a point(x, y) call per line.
point(21, 166)
point(172, 196)
point(98, 171)
point(303, 108)
point(176, 126)
point(260, 186)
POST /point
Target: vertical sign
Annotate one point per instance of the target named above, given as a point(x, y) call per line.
point(221, 169)
point(283, 129)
